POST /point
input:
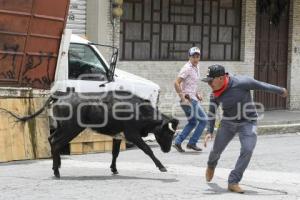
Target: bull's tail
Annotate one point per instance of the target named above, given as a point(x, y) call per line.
point(28, 117)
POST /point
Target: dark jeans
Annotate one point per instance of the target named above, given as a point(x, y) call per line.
point(247, 137)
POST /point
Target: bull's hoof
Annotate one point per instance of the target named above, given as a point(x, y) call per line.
point(163, 169)
point(114, 171)
point(56, 174)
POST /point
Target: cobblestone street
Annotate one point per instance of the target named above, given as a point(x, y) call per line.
point(274, 173)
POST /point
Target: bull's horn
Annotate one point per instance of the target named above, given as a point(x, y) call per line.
point(170, 127)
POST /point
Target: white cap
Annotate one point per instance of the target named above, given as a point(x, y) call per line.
point(194, 50)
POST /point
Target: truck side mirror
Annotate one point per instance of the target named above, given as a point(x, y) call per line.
point(113, 60)
point(113, 63)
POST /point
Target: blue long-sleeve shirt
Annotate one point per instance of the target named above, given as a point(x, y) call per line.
point(236, 101)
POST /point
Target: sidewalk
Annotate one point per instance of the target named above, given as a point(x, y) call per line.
point(280, 117)
point(272, 122)
point(279, 121)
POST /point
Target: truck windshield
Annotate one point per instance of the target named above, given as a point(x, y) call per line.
point(85, 64)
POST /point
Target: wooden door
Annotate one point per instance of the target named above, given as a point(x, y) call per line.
point(271, 58)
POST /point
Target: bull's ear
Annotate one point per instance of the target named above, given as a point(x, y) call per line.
point(175, 123)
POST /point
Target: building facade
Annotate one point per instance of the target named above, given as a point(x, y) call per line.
point(154, 36)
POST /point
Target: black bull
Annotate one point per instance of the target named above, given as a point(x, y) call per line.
point(110, 114)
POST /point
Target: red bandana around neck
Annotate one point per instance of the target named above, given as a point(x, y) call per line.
point(220, 91)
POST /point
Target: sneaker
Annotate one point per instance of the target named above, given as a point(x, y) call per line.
point(193, 146)
point(178, 148)
point(209, 173)
point(235, 188)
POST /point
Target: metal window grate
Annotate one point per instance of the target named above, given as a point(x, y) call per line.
point(165, 29)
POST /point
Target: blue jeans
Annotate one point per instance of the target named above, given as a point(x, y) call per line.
point(196, 118)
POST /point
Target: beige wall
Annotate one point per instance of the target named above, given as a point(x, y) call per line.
point(99, 25)
point(294, 55)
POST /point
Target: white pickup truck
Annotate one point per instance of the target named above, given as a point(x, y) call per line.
point(82, 68)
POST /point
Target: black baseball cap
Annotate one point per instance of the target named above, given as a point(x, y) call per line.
point(213, 72)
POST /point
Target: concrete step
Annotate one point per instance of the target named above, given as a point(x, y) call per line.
point(278, 128)
point(271, 122)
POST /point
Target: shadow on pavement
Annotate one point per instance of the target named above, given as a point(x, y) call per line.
point(114, 177)
point(131, 146)
point(216, 189)
point(194, 152)
point(21, 162)
point(272, 191)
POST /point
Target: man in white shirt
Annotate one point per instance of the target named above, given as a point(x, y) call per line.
point(186, 87)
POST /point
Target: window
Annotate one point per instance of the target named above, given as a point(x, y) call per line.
point(166, 29)
point(85, 64)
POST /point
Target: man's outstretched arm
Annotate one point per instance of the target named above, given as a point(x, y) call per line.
point(252, 84)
